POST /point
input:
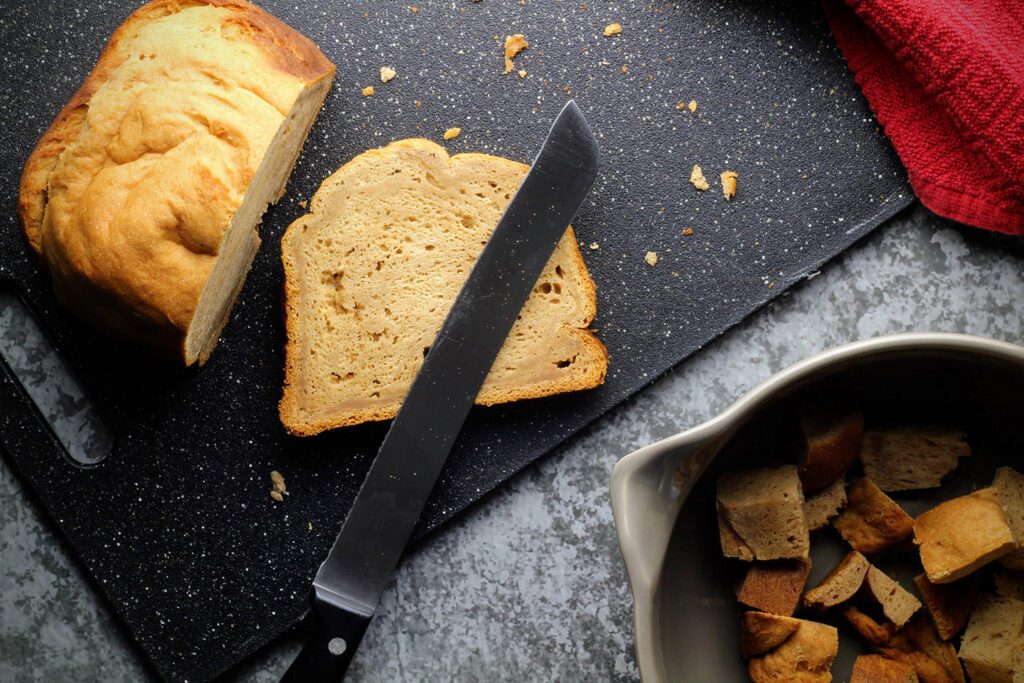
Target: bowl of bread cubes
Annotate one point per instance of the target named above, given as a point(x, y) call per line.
point(857, 517)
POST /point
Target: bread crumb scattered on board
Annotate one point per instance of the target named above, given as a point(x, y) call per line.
point(698, 179)
point(452, 133)
point(368, 91)
point(692, 106)
point(613, 29)
point(279, 489)
point(651, 257)
point(687, 231)
point(522, 73)
point(729, 184)
point(386, 74)
point(594, 246)
point(514, 44)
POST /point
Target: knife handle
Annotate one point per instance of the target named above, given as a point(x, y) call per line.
point(326, 656)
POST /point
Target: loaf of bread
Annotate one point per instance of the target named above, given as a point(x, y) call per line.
point(143, 196)
point(372, 271)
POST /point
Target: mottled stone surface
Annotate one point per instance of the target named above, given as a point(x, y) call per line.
point(529, 585)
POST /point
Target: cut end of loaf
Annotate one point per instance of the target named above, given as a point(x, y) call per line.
point(241, 242)
point(371, 273)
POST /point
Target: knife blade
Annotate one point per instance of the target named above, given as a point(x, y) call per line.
point(350, 581)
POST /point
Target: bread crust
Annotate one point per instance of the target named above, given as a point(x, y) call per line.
point(289, 408)
point(286, 50)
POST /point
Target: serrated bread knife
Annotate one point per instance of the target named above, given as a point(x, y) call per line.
point(349, 583)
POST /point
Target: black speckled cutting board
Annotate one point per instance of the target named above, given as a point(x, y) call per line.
point(177, 527)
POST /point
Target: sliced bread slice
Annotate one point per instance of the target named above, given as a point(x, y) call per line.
point(993, 635)
point(909, 458)
point(960, 535)
point(1010, 484)
point(372, 271)
point(872, 521)
point(775, 586)
point(763, 509)
point(143, 196)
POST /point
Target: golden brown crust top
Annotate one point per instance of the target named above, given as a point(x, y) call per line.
point(129, 191)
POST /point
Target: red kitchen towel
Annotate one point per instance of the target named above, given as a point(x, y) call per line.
point(945, 79)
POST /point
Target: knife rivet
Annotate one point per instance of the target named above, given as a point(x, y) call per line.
point(336, 646)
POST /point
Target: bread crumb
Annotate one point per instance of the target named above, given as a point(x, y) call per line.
point(651, 257)
point(418, 103)
point(386, 74)
point(687, 231)
point(729, 184)
point(414, 9)
point(522, 73)
point(594, 246)
point(681, 105)
point(452, 133)
point(514, 44)
point(309, 525)
point(613, 29)
point(698, 179)
point(692, 106)
point(625, 69)
point(368, 91)
point(303, 203)
point(279, 489)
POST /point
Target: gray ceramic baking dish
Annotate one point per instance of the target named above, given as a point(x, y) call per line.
point(663, 495)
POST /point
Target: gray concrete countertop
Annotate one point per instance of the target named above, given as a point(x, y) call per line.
point(529, 585)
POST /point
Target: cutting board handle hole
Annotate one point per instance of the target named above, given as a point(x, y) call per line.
point(50, 384)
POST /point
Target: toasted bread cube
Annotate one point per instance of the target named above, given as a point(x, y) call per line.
point(909, 458)
point(841, 584)
point(805, 656)
point(878, 669)
point(872, 522)
point(775, 586)
point(993, 638)
point(949, 604)
point(961, 535)
point(1010, 484)
point(761, 632)
point(760, 515)
point(824, 505)
point(897, 603)
point(832, 428)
